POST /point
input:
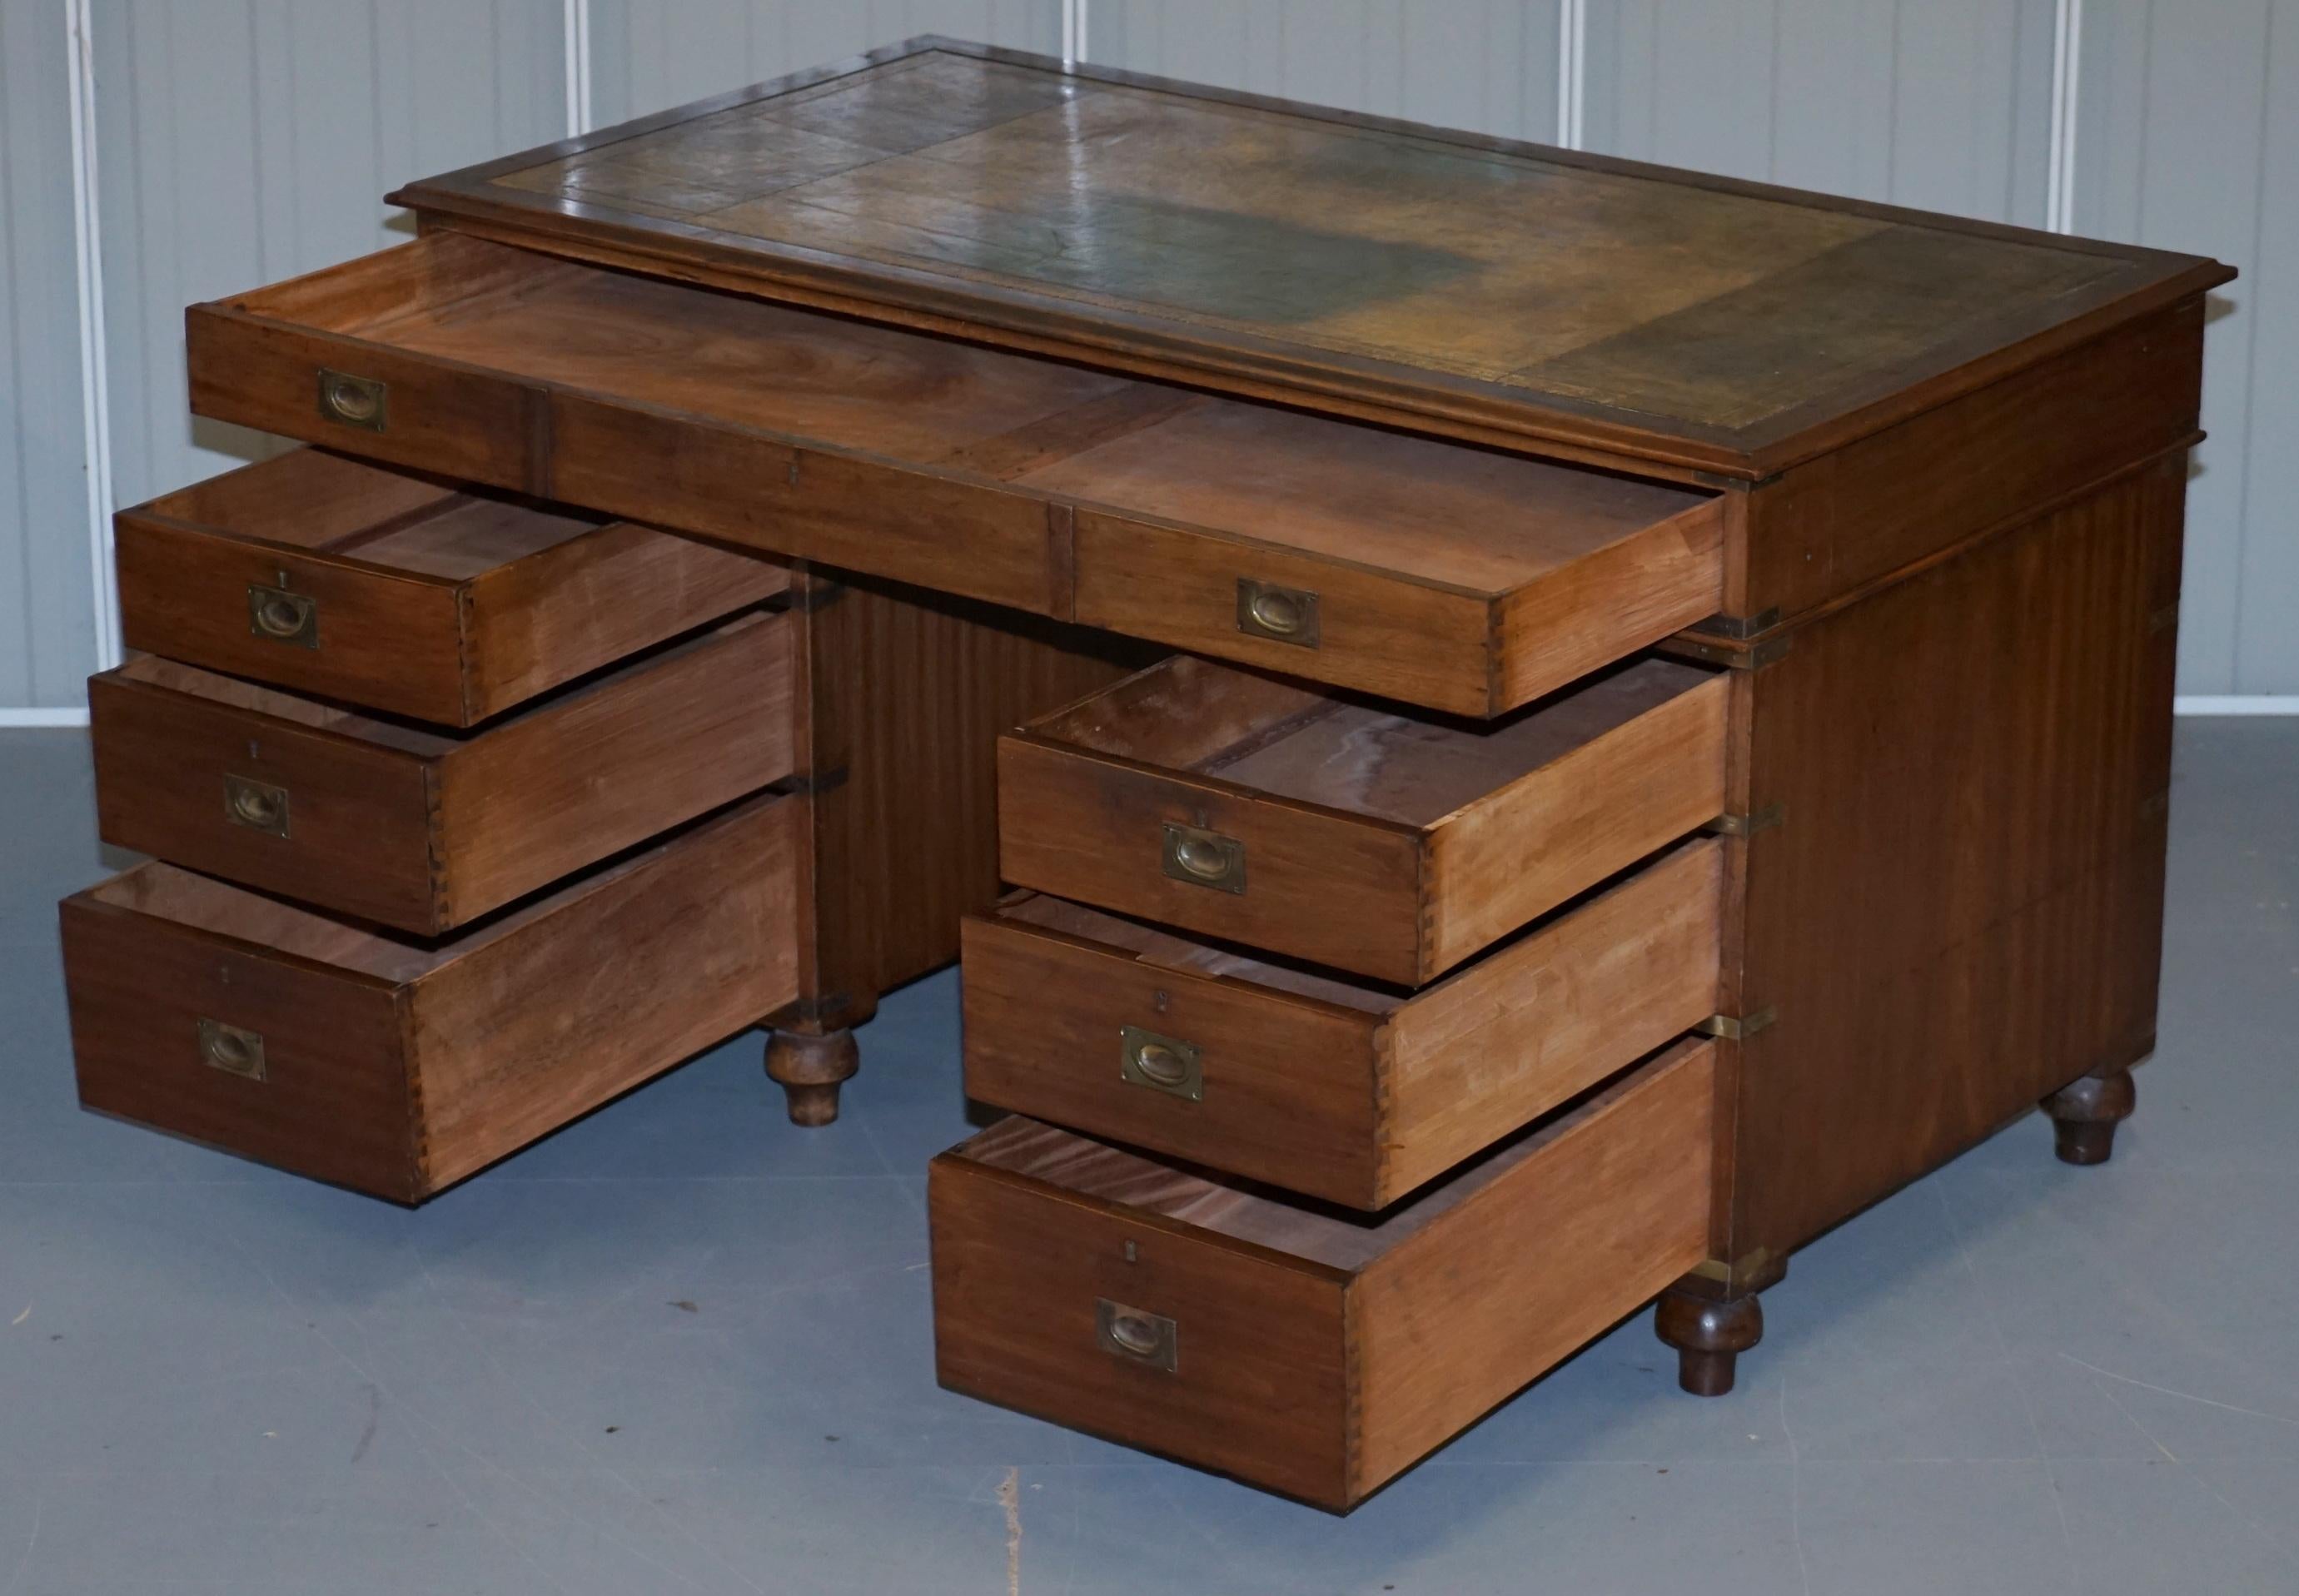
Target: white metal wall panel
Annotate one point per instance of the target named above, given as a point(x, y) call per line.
point(47, 607)
point(649, 54)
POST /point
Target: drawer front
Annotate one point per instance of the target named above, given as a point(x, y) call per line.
point(1329, 888)
point(286, 1060)
point(1355, 1096)
point(397, 1068)
point(306, 622)
point(425, 833)
point(1469, 580)
point(1298, 1350)
point(1338, 621)
point(1393, 846)
point(303, 383)
point(223, 788)
point(325, 576)
point(1323, 619)
point(1037, 1295)
point(1223, 1071)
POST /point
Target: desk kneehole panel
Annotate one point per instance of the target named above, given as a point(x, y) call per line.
point(396, 1067)
point(1388, 843)
point(408, 594)
point(424, 830)
point(1305, 1351)
point(1334, 1088)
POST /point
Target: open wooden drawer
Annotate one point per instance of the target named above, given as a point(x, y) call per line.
point(422, 828)
point(1321, 827)
point(404, 593)
point(398, 1068)
point(1305, 1350)
point(1433, 572)
point(1329, 1087)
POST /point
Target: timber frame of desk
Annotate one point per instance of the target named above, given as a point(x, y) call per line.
point(1671, 741)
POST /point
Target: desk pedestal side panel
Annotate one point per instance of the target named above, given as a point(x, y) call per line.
point(1962, 909)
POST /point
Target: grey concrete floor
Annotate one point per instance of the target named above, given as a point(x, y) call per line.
point(684, 1347)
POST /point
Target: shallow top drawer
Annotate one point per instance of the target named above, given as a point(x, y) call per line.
point(404, 594)
point(1347, 833)
point(1438, 574)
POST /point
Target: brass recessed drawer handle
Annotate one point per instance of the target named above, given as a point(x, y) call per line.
point(255, 805)
point(275, 613)
point(1204, 858)
point(353, 400)
point(232, 1050)
point(1285, 614)
point(1162, 1064)
point(1137, 1336)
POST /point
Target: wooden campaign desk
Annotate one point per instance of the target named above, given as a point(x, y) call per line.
point(1583, 722)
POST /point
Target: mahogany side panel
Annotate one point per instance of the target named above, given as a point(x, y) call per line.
point(1962, 910)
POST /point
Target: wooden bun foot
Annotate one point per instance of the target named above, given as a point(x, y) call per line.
point(2085, 1113)
point(809, 1070)
point(1709, 1337)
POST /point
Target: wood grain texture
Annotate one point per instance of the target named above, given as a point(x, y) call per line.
point(1637, 762)
point(1966, 898)
point(1858, 516)
point(428, 830)
point(1249, 243)
point(901, 698)
point(1464, 1311)
point(429, 601)
point(1260, 1384)
point(1465, 579)
point(1292, 1067)
point(142, 968)
point(1550, 1014)
point(1354, 1094)
point(613, 762)
point(398, 1068)
point(168, 738)
point(1318, 1354)
point(642, 966)
point(1393, 846)
point(1586, 568)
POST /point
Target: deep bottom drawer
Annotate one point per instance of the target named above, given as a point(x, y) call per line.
point(399, 1068)
point(1301, 1350)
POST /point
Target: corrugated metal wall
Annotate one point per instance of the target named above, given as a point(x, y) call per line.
point(238, 141)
